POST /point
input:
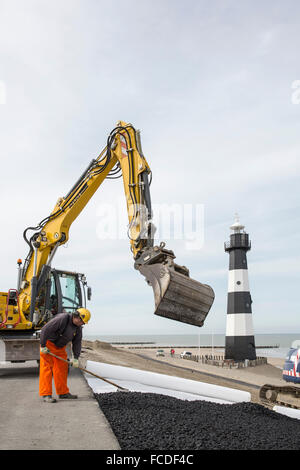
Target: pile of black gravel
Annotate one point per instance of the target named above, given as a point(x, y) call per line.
point(148, 421)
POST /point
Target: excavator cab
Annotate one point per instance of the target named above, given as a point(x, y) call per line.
point(64, 291)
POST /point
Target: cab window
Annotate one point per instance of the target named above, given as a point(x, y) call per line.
point(70, 290)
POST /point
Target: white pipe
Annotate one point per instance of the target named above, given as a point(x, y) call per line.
point(35, 262)
point(52, 254)
point(291, 412)
point(168, 382)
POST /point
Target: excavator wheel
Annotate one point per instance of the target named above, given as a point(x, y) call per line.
point(268, 393)
point(271, 395)
point(285, 395)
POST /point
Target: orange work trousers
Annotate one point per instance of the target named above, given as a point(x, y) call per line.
point(50, 367)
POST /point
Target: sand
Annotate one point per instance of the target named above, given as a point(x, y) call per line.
point(249, 379)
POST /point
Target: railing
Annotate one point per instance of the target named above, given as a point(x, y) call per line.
point(238, 240)
point(220, 361)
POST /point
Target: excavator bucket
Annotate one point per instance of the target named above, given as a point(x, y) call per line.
point(177, 296)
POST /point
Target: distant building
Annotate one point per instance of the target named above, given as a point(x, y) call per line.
point(240, 343)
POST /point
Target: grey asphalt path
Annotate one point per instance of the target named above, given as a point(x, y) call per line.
point(26, 422)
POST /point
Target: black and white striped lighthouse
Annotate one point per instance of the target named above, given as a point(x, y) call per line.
point(240, 343)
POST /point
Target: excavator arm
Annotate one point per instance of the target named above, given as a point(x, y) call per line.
point(176, 295)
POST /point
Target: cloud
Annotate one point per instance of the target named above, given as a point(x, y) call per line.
point(210, 88)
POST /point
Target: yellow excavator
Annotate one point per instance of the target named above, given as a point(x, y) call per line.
point(43, 291)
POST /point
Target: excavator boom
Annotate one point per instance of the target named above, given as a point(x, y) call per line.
point(177, 296)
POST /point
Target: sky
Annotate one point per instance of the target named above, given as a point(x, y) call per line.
point(214, 88)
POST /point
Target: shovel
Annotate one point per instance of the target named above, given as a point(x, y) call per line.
point(122, 389)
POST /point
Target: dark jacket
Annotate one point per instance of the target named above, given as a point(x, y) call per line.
point(60, 331)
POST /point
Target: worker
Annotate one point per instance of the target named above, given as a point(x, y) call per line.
point(55, 335)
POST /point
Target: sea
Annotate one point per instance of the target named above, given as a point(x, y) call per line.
point(267, 345)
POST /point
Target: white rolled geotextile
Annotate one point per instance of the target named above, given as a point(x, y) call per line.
point(99, 386)
point(292, 413)
point(113, 372)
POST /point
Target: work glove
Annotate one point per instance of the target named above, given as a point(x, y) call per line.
point(45, 350)
point(75, 362)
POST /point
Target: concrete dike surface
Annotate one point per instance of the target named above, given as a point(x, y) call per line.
point(27, 423)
